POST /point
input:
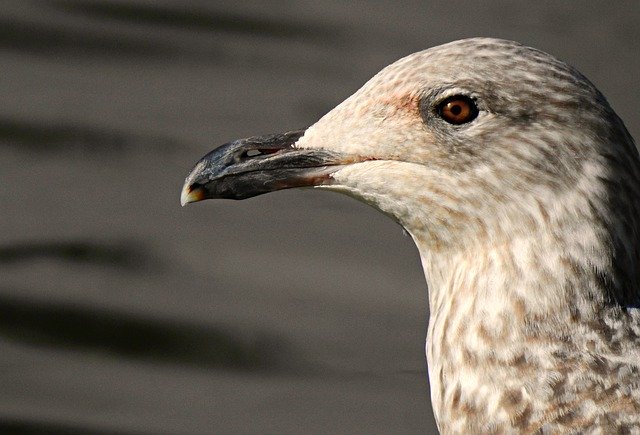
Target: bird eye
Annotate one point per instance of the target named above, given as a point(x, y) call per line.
point(458, 110)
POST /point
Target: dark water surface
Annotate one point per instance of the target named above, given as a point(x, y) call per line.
point(296, 312)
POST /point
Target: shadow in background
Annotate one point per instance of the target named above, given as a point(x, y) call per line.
point(130, 30)
point(41, 38)
point(191, 18)
point(125, 255)
point(138, 337)
point(36, 427)
point(37, 136)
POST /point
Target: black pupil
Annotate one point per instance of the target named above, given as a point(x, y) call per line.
point(456, 109)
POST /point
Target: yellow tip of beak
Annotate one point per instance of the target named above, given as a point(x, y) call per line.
point(189, 194)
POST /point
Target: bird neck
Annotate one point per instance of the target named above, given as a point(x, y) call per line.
point(537, 275)
point(505, 313)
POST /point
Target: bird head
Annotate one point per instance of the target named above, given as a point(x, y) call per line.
point(475, 137)
point(521, 188)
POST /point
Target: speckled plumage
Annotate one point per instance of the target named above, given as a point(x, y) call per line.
point(528, 224)
point(527, 219)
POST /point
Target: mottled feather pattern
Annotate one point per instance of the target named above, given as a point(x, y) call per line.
point(528, 224)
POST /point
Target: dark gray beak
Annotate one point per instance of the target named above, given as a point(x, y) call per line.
point(256, 165)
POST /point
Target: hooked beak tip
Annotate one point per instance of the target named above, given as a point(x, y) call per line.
point(191, 193)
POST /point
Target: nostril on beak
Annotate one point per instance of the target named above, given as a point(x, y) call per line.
point(257, 152)
point(252, 153)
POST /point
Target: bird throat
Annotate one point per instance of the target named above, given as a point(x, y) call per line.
point(508, 318)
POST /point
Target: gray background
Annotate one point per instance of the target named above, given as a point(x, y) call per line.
point(295, 312)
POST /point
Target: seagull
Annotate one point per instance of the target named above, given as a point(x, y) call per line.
point(520, 187)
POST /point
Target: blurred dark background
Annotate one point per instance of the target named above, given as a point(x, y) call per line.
point(301, 311)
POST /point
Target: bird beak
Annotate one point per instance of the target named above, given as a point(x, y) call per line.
point(256, 165)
